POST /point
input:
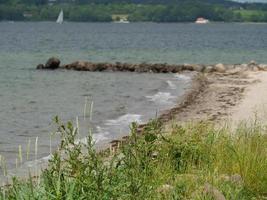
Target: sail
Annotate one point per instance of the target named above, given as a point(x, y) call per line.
point(60, 17)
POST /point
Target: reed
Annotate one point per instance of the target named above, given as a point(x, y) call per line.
point(191, 161)
point(28, 149)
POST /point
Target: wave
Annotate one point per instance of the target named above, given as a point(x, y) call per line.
point(182, 77)
point(161, 98)
point(99, 136)
point(171, 85)
point(124, 120)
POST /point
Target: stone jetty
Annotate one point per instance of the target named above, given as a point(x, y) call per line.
point(54, 63)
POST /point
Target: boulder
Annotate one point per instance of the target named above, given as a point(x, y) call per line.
point(188, 67)
point(164, 68)
point(40, 66)
point(208, 69)
point(220, 68)
point(198, 68)
point(252, 65)
point(262, 67)
point(82, 66)
point(255, 68)
point(164, 189)
point(252, 62)
point(213, 192)
point(235, 179)
point(230, 67)
point(236, 70)
point(244, 67)
point(52, 63)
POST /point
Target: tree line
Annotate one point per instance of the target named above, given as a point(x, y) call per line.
point(150, 10)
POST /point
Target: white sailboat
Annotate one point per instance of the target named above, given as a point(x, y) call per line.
point(60, 17)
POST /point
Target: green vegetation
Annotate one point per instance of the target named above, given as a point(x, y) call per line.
point(252, 15)
point(137, 10)
point(194, 161)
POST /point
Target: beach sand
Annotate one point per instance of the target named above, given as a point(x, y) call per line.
point(254, 102)
point(225, 98)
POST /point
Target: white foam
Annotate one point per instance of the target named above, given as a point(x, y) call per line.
point(183, 77)
point(33, 163)
point(124, 119)
point(171, 85)
point(161, 98)
point(47, 158)
point(100, 135)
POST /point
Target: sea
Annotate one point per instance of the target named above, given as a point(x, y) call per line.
point(103, 103)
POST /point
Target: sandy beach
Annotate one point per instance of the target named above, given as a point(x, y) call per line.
point(223, 98)
point(254, 101)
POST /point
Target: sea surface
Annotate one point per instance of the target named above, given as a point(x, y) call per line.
point(105, 102)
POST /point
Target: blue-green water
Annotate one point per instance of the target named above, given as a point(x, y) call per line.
point(29, 98)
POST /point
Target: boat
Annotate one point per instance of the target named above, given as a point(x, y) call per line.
point(202, 20)
point(122, 21)
point(60, 17)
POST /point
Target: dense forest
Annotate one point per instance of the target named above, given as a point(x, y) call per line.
point(135, 10)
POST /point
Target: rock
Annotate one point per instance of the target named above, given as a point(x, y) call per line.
point(252, 62)
point(40, 66)
point(244, 65)
point(208, 69)
point(262, 67)
point(154, 155)
point(229, 67)
point(255, 68)
point(52, 63)
point(236, 179)
point(220, 68)
point(213, 192)
point(188, 67)
point(235, 70)
point(165, 188)
point(164, 68)
point(252, 65)
point(198, 68)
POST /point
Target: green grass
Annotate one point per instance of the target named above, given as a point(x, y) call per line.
point(252, 15)
point(176, 165)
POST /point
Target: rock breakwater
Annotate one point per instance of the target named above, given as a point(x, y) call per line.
point(152, 68)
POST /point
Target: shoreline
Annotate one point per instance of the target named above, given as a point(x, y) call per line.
point(220, 98)
point(212, 97)
point(216, 90)
point(209, 154)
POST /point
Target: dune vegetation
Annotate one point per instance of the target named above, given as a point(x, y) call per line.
point(192, 161)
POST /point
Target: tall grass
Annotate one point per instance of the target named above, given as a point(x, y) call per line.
point(183, 164)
